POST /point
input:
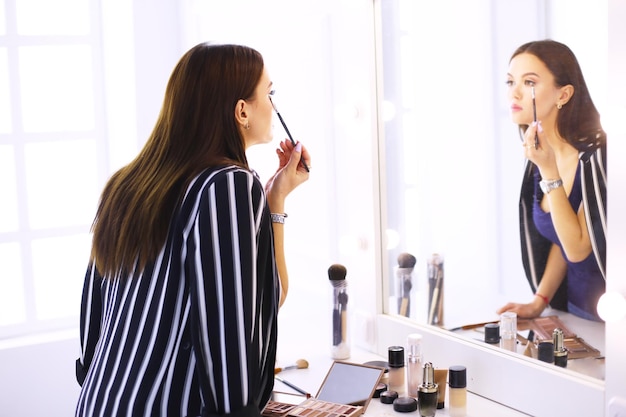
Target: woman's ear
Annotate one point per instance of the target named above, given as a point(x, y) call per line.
point(566, 93)
point(241, 116)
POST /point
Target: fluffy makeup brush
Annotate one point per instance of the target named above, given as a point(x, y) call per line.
point(300, 364)
point(406, 263)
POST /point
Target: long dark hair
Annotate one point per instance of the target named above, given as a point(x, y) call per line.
point(578, 121)
point(196, 129)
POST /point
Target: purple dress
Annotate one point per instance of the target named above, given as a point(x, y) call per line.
point(585, 283)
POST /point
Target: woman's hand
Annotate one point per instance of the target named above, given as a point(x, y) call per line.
point(524, 311)
point(543, 156)
point(289, 174)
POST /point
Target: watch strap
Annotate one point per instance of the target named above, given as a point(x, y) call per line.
point(549, 185)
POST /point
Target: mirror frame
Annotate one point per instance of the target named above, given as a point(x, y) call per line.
point(443, 348)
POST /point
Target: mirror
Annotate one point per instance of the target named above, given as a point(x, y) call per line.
point(451, 158)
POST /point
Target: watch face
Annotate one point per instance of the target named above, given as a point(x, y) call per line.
point(543, 186)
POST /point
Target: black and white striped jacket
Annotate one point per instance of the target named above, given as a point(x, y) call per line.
point(195, 332)
point(535, 247)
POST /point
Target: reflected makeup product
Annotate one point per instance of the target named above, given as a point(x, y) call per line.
point(492, 333)
point(396, 369)
point(560, 353)
point(545, 351)
point(508, 331)
point(427, 392)
point(435, 290)
point(458, 391)
point(404, 284)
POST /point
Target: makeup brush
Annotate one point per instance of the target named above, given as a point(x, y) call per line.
point(282, 122)
point(337, 277)
point(435, 279)
point(532, 89)
point(406, 263)
point(300, 364)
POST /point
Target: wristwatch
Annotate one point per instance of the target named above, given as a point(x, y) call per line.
point(549, 185)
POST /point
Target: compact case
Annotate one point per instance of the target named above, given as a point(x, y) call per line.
point(346, 391)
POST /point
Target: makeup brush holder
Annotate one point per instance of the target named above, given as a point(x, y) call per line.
point(403, 286)
point(340, 348)
point(435, 290)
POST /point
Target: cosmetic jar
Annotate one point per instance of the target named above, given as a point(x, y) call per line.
point(380, 388)
point(388, 397)
point(405, 404)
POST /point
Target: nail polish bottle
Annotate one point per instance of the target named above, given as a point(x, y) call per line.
point(427, 392)
point(414, 372)
point(396, 369)
point(458, 392)
point(560, 353)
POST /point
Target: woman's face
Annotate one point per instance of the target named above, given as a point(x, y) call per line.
point(527, 71)
point(259, 111)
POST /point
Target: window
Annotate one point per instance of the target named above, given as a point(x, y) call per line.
point(53, 158)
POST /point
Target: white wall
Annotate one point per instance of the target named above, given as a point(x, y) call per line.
point(616, 332)
point(37, 376)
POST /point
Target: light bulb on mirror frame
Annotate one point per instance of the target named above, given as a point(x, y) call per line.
point(612, 307)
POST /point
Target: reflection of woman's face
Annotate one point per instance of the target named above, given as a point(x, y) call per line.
point(526, 71)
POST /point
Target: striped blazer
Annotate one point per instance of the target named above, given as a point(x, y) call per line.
point(195, 332)
point(535, 247)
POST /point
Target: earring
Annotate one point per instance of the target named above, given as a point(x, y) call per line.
point(559, 105)
point(247, 126)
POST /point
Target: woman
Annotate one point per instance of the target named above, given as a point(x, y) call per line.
point(563, 196)
point(187, 268)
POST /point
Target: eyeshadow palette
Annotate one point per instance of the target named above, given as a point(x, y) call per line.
point(544, 326)
point(277, 409)
point(311, 408)
point(576, 346)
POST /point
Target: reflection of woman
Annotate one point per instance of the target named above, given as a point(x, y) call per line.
point(187, 268)
point(563, 196)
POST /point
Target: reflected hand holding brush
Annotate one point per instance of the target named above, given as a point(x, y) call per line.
point(293, 142)
point(532, 90)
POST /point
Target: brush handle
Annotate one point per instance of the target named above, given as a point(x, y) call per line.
point(293, 142)
point(290, 385)
point(336, 327)
point(404, 307)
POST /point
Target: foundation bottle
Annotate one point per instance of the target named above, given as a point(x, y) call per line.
point(457, 384)
point(396, 369)
point(414, 372)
